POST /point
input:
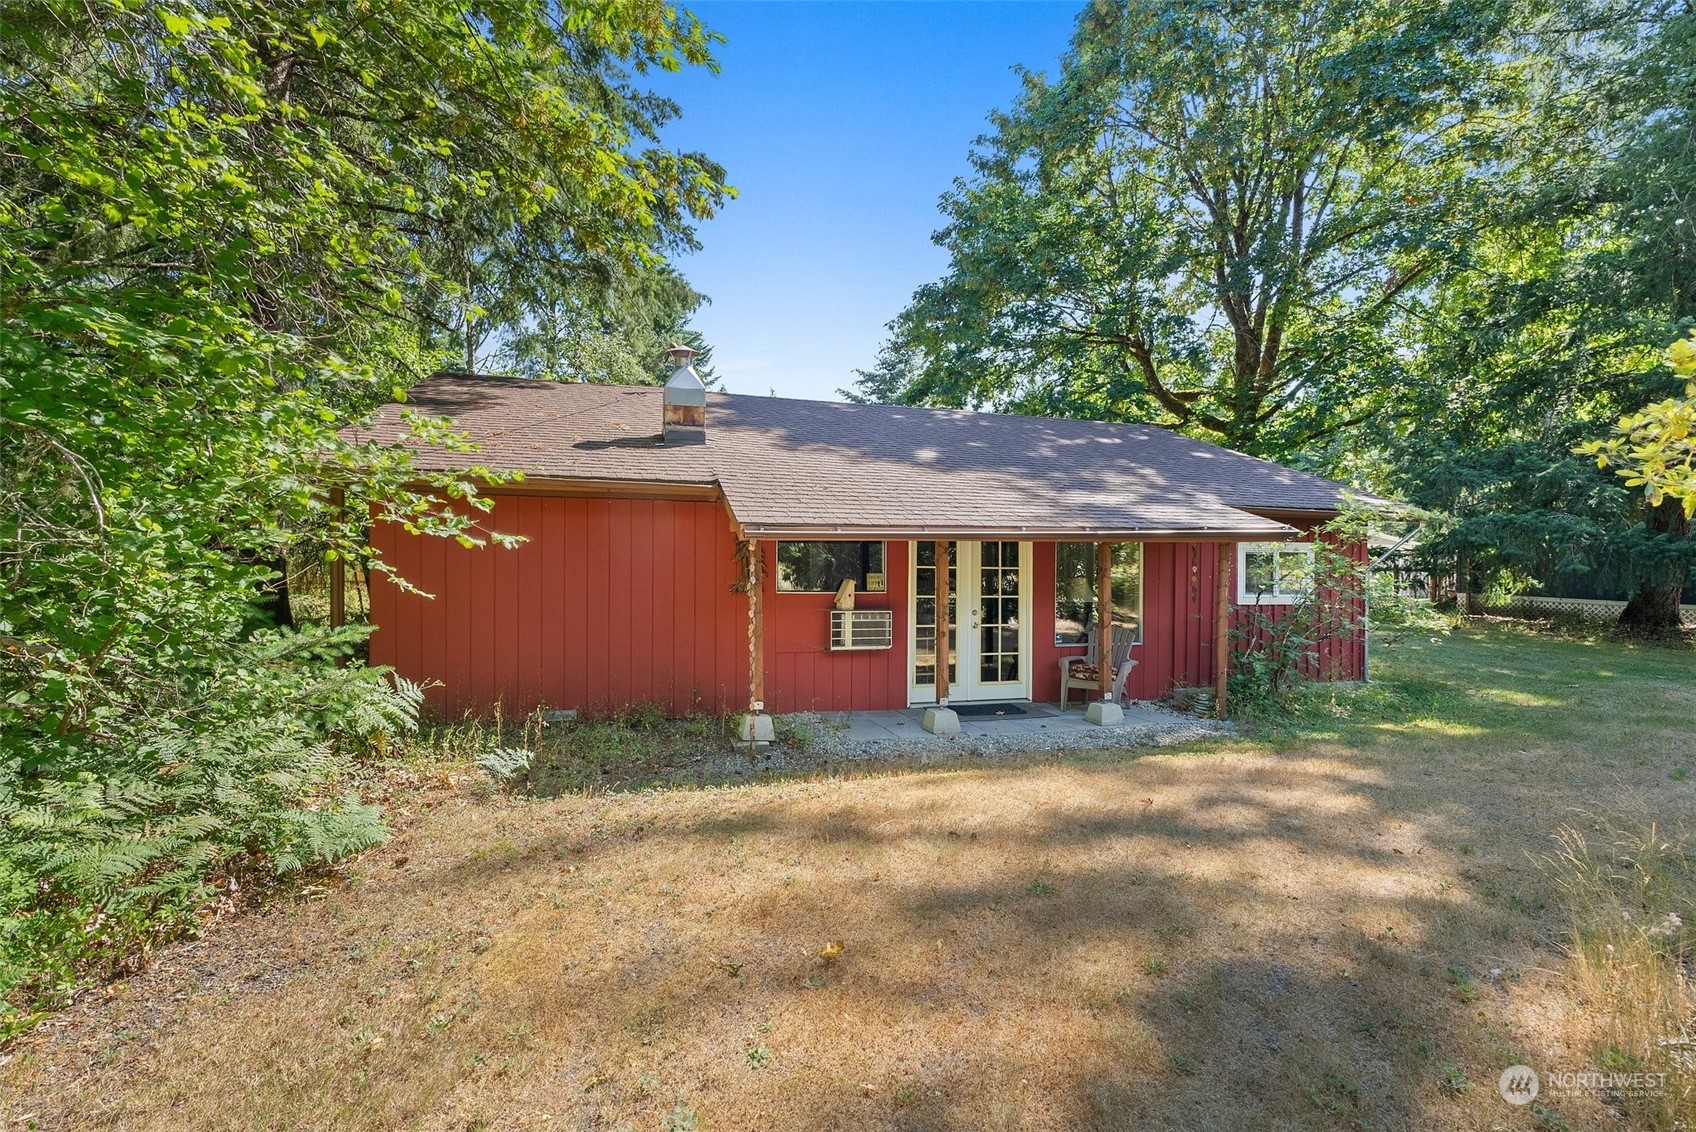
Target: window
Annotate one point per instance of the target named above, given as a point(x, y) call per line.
point(924, 614)
point(1273, 573)
point(1074, 591)
point(820, 567)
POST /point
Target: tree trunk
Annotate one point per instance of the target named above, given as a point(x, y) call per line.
point(1653, 609)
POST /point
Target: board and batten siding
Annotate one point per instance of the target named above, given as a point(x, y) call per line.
point(610, 602)
point(1177, 613)
point(619, 602)
point(1177, 622)
point(803, 674)
point(1337, 658)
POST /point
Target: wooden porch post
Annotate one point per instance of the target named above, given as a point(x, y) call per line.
point(1222, 625)
point(338, 570)
point(756, 628)
point(1104, 617)
point(942, 623)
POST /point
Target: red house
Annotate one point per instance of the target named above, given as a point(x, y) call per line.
point(686, 548)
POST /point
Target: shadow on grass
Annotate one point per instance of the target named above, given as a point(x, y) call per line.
point(1329, 937)
point(1253, 946)
point(1336, 924)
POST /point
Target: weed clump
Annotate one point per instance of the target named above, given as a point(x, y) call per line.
point(1630, 891)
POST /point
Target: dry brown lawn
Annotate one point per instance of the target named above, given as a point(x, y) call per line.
point(1343, 926)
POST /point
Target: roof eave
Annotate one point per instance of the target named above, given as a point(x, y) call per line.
point(1027, 533)
point(685, 490)
point(1373, 503)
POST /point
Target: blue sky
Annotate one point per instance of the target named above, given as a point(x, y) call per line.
point(840, 123)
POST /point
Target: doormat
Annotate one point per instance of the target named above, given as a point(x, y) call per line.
point(978, 711)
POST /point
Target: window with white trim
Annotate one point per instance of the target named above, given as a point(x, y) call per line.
point(1273, 573)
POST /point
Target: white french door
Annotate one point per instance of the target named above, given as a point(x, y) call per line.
point(989, 619)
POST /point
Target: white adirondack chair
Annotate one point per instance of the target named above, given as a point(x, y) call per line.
point(1090, 679)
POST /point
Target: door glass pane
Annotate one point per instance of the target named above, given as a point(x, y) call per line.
point(998, 613)
point(924, 618)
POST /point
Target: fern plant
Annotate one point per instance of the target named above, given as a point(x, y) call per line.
point(111, 837)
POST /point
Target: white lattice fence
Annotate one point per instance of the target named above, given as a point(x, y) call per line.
point(1530, 605)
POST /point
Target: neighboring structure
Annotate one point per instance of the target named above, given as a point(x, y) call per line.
point(687, 548)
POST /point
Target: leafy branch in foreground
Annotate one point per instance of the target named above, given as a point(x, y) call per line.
point(1655, 448)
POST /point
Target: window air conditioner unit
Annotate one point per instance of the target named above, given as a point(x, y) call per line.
point(857, 629)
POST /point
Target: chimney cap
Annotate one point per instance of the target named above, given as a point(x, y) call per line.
point(685, 386)
point(681, 355)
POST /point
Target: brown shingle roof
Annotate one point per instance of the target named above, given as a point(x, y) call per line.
point(816, 468)
point(546, 429)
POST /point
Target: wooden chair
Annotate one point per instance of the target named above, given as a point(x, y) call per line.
point(1083, 673)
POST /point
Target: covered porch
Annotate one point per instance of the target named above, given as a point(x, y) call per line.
point(1010, 619)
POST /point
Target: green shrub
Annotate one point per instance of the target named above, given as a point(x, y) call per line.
point(1276, 649)
point(115, 836)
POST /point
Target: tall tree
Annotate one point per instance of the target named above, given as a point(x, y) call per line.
point(611, 329)
point(1212, 219)
point(1554, 329)
point(226, 230)
point(1645, 186)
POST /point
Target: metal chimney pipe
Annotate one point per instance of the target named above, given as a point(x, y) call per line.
point(684, 417)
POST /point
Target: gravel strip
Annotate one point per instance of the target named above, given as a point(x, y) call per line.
point(826, 742)
point(809, 741)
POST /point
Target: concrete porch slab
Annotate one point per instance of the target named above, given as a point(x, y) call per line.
point(882, 734)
